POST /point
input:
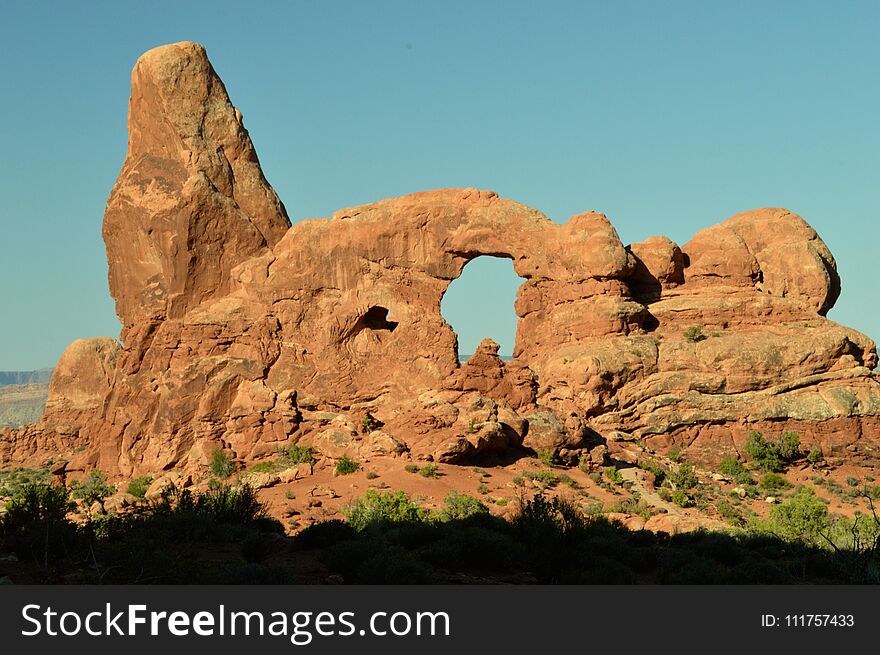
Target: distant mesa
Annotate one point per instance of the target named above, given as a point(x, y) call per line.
point(40, 376)
point(23, 396)
point(243, 332)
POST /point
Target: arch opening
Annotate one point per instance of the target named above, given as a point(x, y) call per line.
point(376, 318)
point(480, 304)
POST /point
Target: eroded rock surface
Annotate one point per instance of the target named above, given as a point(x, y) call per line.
point(245, 334)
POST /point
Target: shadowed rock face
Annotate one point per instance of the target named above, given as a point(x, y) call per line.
point(242, 332)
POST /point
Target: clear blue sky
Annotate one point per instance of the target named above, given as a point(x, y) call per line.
point(666, 116)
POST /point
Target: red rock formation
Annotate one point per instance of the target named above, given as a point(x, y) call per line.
point(244, 333)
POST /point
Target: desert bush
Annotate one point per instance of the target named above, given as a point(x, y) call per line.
point(735, 470)
point(772, 456)
point(632, 506)
point(789, 446)
point(683, 477)
point(730, 513)
point(613, 475)
point(539, 518)
point(547, 457)
point(482, 488)
point(295, 454)
point(584, 463)
point(429, 471)
point(345, 465)
point(547, 478)
point(674, 454)
point(814, 456)
point(694, 334)
point(459, 506)
point(680, 498)
point(231, 505)
point(372, 475)
point(222, 465)
point(138, 486)
point(36, 502)
point(12, 480)
point(774, 482)
point(94, 489)
point(803, 516)
point(386, 506)
point(411, 468)
point(568, 481)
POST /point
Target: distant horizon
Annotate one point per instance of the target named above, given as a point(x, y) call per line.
point(666, 118)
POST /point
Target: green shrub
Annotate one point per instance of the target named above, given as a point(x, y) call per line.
point(789, 446)
point(295, 454)
point(547, 457)
point(222, 465)
point(372, 475)
point(680, 498)
point(540, 521)
point(765, 455)
point(225, 504)
point(345, 465)
point(411, 468)
point(584, 463)
point(734, 469)
point(429, 471)
point(547, 477)
point(482, 488)
point(814, 456)
point(631, 506)
point(568, 481)
point(674, 454)
point(386, 506)
point(730, 513)
point(694, 334)
point(11, 480)
point(94, 489)
point(368, 424)
point(458, 506)
point(852, 481)
point(36, 502)
point(518, 481)
point(803, 516)
point(683, 477)
point(613, 475)
point(775, 482)
point(138, 486)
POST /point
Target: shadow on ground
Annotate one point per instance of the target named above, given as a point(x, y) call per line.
point(225, 537)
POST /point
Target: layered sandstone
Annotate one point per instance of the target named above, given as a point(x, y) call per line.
point(243, 333)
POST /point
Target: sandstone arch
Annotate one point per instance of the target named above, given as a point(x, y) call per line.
point(243, 332)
